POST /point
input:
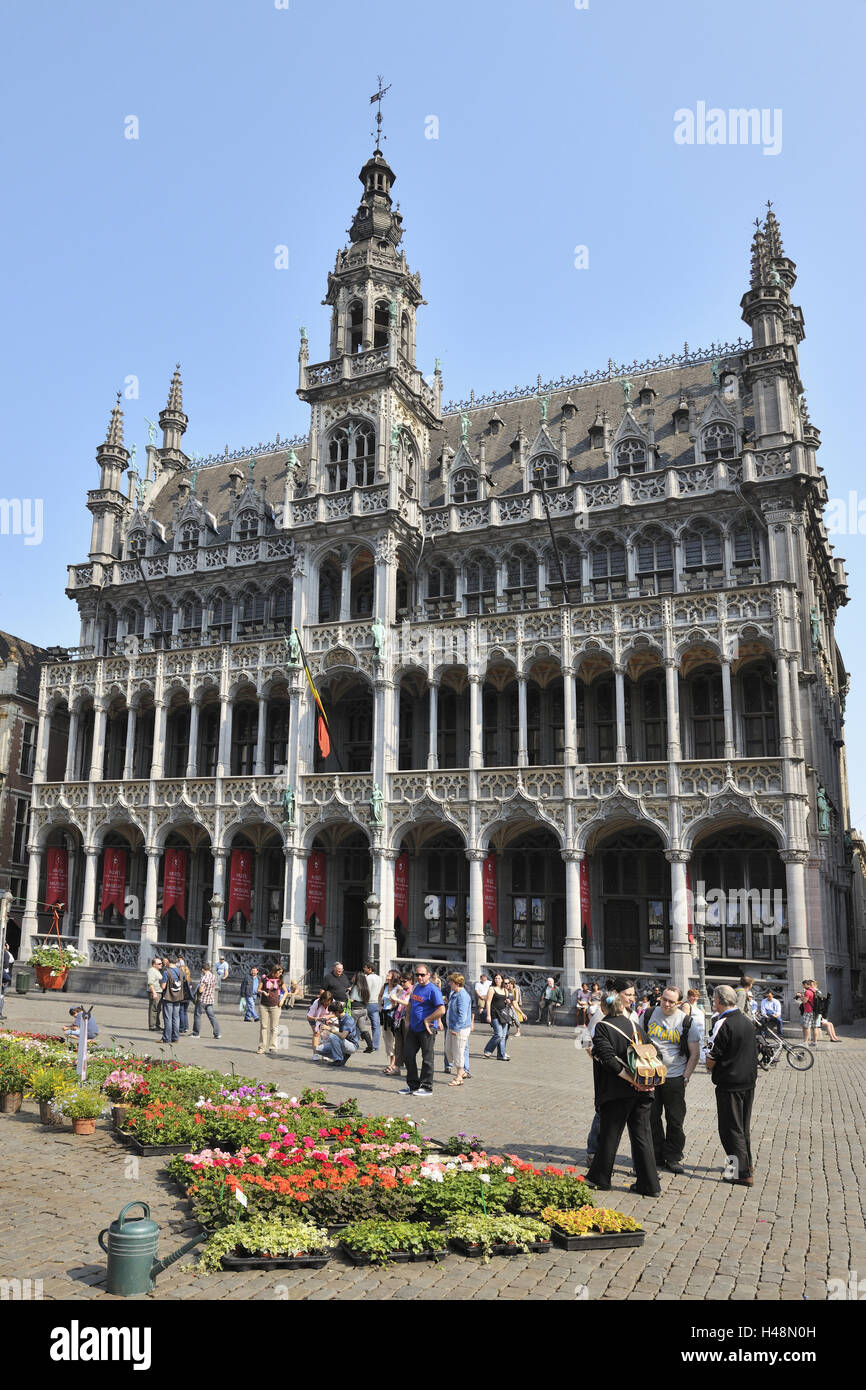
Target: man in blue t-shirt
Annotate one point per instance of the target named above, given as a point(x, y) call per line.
point(340, 1044)
point(426, 1007)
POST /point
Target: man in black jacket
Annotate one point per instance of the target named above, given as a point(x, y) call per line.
point(732, 1060)
point(337, 981)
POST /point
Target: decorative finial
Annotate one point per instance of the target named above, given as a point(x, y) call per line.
point(251, 468)
point(115, 425)
point(377, 96)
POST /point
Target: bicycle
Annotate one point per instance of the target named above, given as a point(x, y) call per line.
point(771, 1047)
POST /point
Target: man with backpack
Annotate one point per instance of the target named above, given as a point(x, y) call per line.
point(173, 992)
point(677, 1041)
point(812, 1006)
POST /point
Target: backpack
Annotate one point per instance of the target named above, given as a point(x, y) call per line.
point(174, 986)
point(684, 1035)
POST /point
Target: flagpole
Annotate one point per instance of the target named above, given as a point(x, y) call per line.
point(318, 701)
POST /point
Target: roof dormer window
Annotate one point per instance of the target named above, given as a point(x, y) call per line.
point(544, 471)
point(464, 486)
point(631, 456)
point(247, 526)
point(188, 539)
point(719, 442)
point(137, 544)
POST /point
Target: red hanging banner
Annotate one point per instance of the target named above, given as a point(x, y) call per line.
point(56, 877)
point(241, 883)
point(174, 882)
point(490, 898)
point(316, 886)
point(401, 889)
point(114, 879)
point(585, 900)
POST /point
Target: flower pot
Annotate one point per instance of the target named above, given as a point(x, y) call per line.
point(46, 1114)
point(48, 980)
point(83, 1126)
point(119, 1114)
point(10, 1102)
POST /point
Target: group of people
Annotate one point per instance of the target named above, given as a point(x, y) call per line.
point(170, 992)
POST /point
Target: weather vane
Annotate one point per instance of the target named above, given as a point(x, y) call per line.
point(377, 96)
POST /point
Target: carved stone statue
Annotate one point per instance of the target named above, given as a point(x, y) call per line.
point(132, 453)
point(823, 811)
point(139, 492)
point(544, 402)
point(392, 311)
point(293, 647)
point(395, 438)
point(251, 468)
point(626, 392)
point(288, 807)
point(437, 364)
point(464, 427)
point(377, 803)
point(151, 430)
point(714, 371)
point(378, 630)
point(815, 624)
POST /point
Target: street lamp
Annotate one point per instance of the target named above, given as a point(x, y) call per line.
point(373, 907)
point(701, 933)
point(214, 945)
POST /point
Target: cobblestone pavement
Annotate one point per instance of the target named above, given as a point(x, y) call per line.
point(801, 1225)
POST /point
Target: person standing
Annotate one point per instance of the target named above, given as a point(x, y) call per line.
point(205, 999)
point(745, 1001)
point(481, 991)
point(249, 993)
point(459, 1022)
point(222, 972)
point(374, 985)
point(600, 1006)
point(337, 982)
point(401, 994)
point(770, 1011)
point(551, 999)
point(497, 1014)
point(675, 1038)
point(183, 1015)
point(620, 1102)
point(154, 994)
point(425, 1010)
point(270, 1002)
point(732, 1061)
point(359, 999)
point(172, 997)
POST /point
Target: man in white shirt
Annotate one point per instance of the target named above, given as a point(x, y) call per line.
point(771, 1010)
point(673, 1033)
point(482, 989)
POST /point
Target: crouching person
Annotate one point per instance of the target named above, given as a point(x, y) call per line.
point(343, 1040)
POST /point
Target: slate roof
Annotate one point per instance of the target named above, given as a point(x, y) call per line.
point(29, 660)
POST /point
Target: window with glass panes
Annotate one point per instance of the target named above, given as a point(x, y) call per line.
point(744, 882)
point(446, 897)
point(654, 561)
point(19, 833)
point(490, 745)
point(702, 547)
point(273, 866)
point(708, 718)
point(359, 735)
point(760, 728)
point(479, 589)
point(251, 612)
point(449, 741)
point(245, 722)
point(521, 578)
point(177, 742)
point(208, 740)
point(632, 866)
point(143, 756)
point(537, 882)
point(652, 705)
point(719, 442)
point(28, 749)
point(603, 695)
point(277, 736)
point(608, 571)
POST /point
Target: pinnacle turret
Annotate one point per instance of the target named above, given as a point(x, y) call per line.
point(173, 423)
point(175, 393)
point(114, 436)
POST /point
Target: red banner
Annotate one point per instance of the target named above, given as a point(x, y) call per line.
point(114, 879)
point(585, 900)
point(174, 882)
point(490, 899)
point(316, 886)
point(241, 883)
point(401, 889)
point(57, 877)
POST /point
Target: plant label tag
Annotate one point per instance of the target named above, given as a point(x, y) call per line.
point(241, 1196)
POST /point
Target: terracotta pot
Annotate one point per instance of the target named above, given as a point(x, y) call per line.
point(119, 1114)
point(10, 1102)
point(46, 1114)
point(83, 1126)
point(46, 980)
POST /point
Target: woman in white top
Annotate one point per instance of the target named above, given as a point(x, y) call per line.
point(319, 1013)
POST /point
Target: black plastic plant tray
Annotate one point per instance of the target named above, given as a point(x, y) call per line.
point(596, 1240)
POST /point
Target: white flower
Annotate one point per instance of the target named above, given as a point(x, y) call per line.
point(508, 1170)
point(483, 1177)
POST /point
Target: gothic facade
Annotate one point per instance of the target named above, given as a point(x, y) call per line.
point(575, 645)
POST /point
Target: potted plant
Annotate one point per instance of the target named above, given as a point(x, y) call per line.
point(163, 1127)
point(53, 964)
point(349, 1109)
point(312, 1096)
point(379, 1242)
point(451, 1193)
point(14, 1070)
point(598, 1227)
point(266, 1242)
point(532, 1191)
point(122, 1087)
point(483, 1236)
point(83, 1105)
point(463, 1144)
point(43, 1085)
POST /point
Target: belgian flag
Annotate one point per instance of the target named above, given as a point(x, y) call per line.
point(323, 731)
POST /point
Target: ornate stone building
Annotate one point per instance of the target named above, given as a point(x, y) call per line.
point(575, 644)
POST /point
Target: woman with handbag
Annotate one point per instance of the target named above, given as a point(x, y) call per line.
point(623, 1067)
point(496, 1011)
point(401, 995)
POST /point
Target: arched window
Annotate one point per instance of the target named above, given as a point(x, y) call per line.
point(362, 586)
point(702, 546)
point(521, 578)
point(654, 562)
point(109, 629)
point(608, 569)
point(189, 621)
point(760, 727)
point(479, 586)
point(355, 327)
point(407, 459)
point(220, 617)
point(188, 538)
point(631, 456)
point(330, 586)
point(718, 441)
point(133, 620)
point(746, 546)
point(247, 526)
point(708, 719)
point(351, 457)
point(251, 613)
point(137, 544)
point(381, 323)
point(544, 471)
point(441, 588)
point(572, 567)
point(464, 486)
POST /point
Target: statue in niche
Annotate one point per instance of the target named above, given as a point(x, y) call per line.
point(815, 624)
point(288, 807)
point(378, 630)
point(377, 804)
point(823, 811)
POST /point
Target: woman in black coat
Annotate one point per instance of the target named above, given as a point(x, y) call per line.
point(620, 1103)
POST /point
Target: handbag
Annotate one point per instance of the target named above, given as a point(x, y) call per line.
point(645, 1064)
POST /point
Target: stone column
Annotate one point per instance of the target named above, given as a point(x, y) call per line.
point(573, 959)
point(476, 946)
point(569, 705)
point(796, 730)
point(30, 920)
point(147, 948)
point(800, 963)
point(129, 751)
point(522, 739)
point(672, 694)
point(783, 685)
point(72, 746)
point(218, 925)
point(261, 729)
point(346, 584)
point(682, 964)
point(192, 750)
point(383, 883)
point(87, 924)
point(476, 723)
point(225, 738)
point(157, 765)
point(433, 746)
point(621, 747)
point(43, 738)
point(728, 709)
point(97, 755)
point(293, 935)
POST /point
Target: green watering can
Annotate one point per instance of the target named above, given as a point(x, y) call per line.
point(131, 1251)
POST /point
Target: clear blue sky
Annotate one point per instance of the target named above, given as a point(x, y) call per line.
point(555, 130)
